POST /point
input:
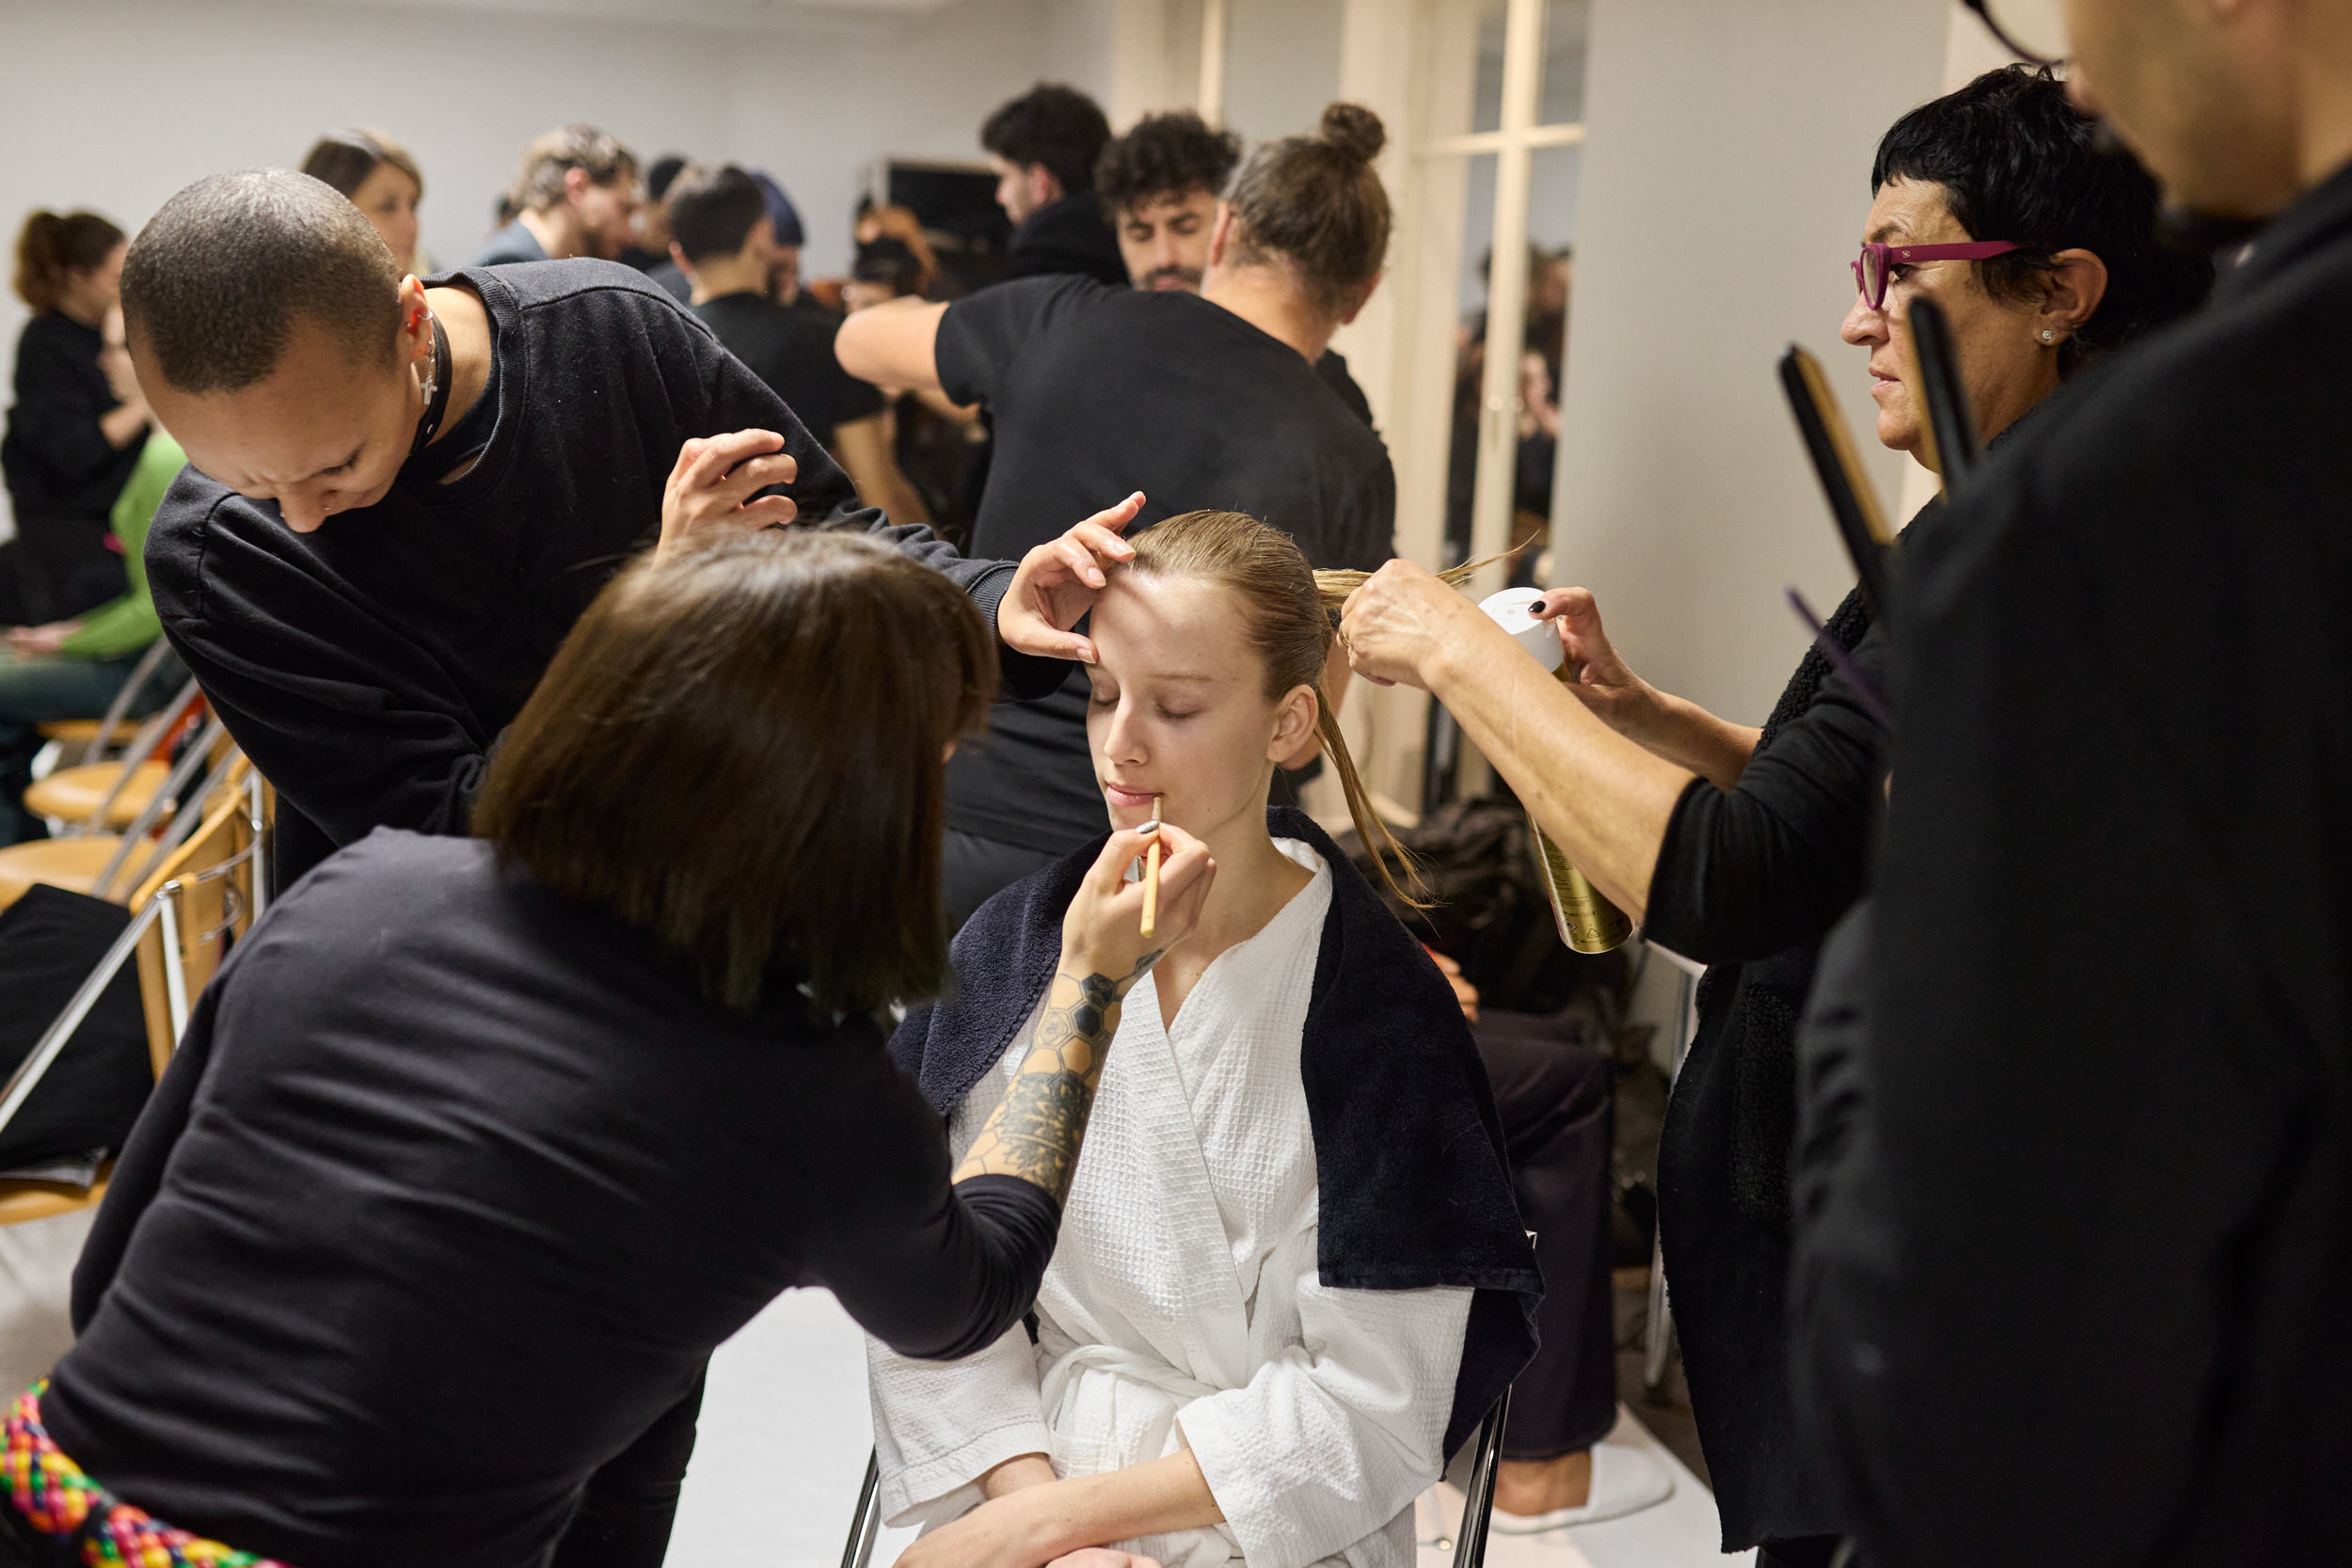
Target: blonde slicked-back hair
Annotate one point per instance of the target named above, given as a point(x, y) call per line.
point(1289, 609)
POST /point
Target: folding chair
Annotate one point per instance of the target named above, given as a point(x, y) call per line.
point(200, 896)
point(1470, 1541)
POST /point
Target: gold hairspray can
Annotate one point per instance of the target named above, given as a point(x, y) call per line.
point(1588, 921)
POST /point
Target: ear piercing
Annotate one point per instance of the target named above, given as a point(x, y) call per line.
point(2046, 335)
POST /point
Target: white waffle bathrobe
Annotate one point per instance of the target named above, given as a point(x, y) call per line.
point(1182, 1307)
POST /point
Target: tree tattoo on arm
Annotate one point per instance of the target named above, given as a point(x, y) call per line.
point(1035, 1132)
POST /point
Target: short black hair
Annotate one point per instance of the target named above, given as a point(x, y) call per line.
point(214, 284)
point(2019, 163)
point(1058, 126)
point(888, 261)
point(712, 210)
point(661, 172)
point(1165, 155)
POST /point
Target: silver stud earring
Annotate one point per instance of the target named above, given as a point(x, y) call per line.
point(2046, 334)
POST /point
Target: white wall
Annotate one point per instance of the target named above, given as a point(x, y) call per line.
point(115, 104)
point(1725, 181)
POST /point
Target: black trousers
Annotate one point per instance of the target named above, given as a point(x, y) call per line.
point(629, 1506)
point(1557, 1099)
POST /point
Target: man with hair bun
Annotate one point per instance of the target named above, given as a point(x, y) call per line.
point(399, 499)
point(576, 196)
point(1160, 184)
point(1230, 416)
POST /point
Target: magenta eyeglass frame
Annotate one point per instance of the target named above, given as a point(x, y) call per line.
point(1889, 255)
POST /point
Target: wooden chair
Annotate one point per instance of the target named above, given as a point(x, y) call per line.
point(94, 863)
point(199, 896)
point(95, 794)
point(87, 739)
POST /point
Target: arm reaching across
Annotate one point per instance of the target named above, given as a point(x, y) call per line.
point(1036, 1130)
point(893, 344)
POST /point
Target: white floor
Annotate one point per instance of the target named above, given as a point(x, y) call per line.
point(786, 1431)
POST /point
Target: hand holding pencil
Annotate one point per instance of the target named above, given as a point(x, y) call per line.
point(1102, 930)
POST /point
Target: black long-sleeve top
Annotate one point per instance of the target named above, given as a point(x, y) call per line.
point(452, 1189)
point(1749, 880)
point(58, 459)
point(2081, 1290)
point(368, 668)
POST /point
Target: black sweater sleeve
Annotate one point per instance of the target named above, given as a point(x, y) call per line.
point(1752, 871)
point(932, 1270)
point(58, 404)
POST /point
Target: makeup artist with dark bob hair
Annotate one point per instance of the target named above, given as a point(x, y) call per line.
point(477, 1147)
point(1739, 847)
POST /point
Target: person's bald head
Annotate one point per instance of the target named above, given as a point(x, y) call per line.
point(278, 340)
point(215, 284)
point(2234, 105)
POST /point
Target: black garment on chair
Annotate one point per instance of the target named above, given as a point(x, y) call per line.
point(50, 941)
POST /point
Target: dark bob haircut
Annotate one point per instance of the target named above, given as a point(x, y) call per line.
point(2017, 161)
point(713, 211)
point(1165, 155)
point(739, 751)
point(1059, 127)
point(214, 285)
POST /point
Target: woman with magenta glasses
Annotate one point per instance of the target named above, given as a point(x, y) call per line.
point(1738, 847)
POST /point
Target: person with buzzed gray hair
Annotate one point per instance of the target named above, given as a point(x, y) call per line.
point(400, 496)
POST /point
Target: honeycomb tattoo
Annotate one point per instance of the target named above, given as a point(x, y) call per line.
point(1035, 1132)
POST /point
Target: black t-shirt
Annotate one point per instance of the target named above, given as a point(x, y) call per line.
point(367, 668)
point(58, 460)
point(1098, 392)
point(792, 352)
point(452, 1189)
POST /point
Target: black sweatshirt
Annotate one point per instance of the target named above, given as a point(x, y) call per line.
point(58, 460)
point(368, 668)
point(2082, 1292)
point(452, 1189)
point(1749, 880)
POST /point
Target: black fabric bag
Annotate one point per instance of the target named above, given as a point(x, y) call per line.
point(50, 941)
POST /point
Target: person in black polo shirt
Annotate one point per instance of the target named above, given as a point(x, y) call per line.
point(724, 238)
point(1201, 401)
point(400, 499)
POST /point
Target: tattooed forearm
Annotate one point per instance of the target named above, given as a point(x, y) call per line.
point(1034, 1133)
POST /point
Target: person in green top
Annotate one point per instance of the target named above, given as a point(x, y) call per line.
point(73, 669)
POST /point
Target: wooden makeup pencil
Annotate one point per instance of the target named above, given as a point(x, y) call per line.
point(1152, 874)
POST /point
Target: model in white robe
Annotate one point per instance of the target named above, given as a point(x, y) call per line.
point(1182, 1307)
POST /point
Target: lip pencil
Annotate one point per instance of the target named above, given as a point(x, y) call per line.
point(1151, 872)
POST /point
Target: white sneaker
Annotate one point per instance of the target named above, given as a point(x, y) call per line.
point(1625, 1481)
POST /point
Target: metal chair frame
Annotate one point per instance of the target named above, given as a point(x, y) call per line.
point(148, 663)
point(1469, 1540)
point(149, 737)
point(182, 825)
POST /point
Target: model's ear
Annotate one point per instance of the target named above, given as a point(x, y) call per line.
point(1294, 727)
point(1221, 237)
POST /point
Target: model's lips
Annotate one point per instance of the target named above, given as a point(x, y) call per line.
point(1133, 800)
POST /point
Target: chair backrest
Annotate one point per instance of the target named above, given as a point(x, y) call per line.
point(206, 890)
point(124, 868)
point(151, 738)
point(156, 653)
